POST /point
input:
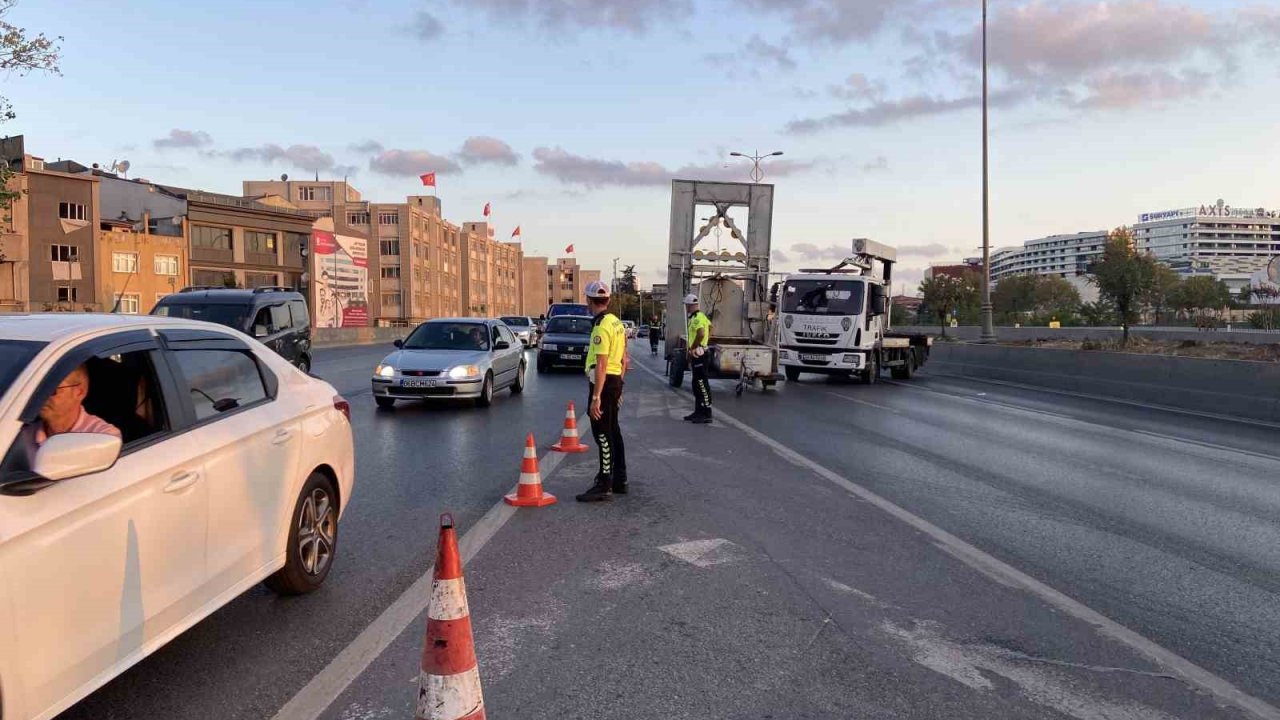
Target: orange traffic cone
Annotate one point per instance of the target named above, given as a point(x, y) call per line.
point(449, 684)
point(529, 492)
point(569, 435)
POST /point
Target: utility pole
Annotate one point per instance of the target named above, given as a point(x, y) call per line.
point(614, 289)
point(757, 174)
point(988, 328)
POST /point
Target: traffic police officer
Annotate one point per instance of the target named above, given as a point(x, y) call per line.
point(698, 335)
point(606, 364)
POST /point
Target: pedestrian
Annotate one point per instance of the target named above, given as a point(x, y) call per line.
point(697, 336)
point(606, 364)
point(655, 331)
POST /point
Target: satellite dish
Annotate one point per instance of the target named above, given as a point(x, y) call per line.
point(284, 177)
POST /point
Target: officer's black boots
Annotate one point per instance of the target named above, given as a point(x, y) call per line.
point(619, 485)
point(599, 492)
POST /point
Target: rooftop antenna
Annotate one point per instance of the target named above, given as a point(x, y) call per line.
point(120, 167)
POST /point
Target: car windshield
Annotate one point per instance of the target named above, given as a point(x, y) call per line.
point(516, 321)
point(448, 336)
point(14, 356)
point(233, 316)
point(823, 297)
point(569, 326)
point(568, 309)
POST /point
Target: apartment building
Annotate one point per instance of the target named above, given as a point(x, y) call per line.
point(319, 198)
point(242, 242)
point(1229, 243)
point(138, 267)
point(492, 276)
point(546, 283)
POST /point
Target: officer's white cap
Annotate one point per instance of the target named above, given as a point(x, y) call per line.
point(690, 299)
point(597, 289)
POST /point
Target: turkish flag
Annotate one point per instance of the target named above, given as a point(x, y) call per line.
point(516, 232)
point(569, 250)
point(486, 209)
point(429, 179)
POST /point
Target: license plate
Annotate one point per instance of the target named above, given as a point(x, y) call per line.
point(571, 357)
point(420, 382)
point(814, 358)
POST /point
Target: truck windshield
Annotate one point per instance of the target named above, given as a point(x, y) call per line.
point(823, 297)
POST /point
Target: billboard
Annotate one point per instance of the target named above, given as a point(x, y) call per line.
point(340, 279)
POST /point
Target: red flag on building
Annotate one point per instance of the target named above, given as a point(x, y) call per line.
point(486, 209)
point(569, 250)
point(516, 232)
point(428, 179)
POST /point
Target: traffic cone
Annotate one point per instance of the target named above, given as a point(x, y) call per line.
point(529, 492)
point(569, 435)
point(449, 684)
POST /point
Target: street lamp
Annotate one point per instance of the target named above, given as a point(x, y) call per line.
point(756, 173)
point(988, 328)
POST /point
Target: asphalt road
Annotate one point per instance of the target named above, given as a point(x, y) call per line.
point(1163, 522)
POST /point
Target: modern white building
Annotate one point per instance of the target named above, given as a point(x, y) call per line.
point(1229, 243)
point(1066, 256)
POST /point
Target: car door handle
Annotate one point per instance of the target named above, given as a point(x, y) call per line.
point(181, 481)
point(282, 437)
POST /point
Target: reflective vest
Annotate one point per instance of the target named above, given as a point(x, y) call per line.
point(699, 321)
point(608, 337)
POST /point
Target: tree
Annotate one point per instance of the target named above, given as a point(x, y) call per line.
point(1055, 297)
point(1097, 314)
point(1123, 277)
point(20, 54)
point(1199, 294)
point(1020, 297)
point(945, 294)
point(1160, 297)
point(627, 282)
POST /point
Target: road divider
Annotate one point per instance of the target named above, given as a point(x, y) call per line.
point(529, 490)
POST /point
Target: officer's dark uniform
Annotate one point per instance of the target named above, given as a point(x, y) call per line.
point(655, 333)
point(701, 381)
point(608, 337)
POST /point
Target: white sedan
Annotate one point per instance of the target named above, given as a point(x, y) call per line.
point(153, 470)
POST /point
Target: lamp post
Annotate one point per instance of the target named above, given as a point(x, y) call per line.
point(756, 173)
point(988, 329)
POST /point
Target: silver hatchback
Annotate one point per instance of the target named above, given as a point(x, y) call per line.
point(451, 358)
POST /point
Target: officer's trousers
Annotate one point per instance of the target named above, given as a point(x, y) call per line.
point(608, 435)
point(701, 386)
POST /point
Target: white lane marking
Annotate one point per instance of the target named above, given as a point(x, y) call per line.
point(850, 590)
point(860, 401)
point(1008, 575)
point(704, 553)
point(346, 666)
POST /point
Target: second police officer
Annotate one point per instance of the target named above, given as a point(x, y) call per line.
point(698, 335)
point(606, 364)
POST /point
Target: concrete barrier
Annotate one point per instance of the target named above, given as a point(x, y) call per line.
point(1238, 335)
point(332, 337)
point(1233, 388)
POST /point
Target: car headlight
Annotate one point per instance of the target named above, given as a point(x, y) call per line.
point(385, 371)
point(464, 371)
point(550, 346)
point(786, 320)
point(846, 323)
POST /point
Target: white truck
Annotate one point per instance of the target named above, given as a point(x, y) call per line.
point(837, 321)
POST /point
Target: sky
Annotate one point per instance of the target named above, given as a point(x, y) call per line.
point(572, 116)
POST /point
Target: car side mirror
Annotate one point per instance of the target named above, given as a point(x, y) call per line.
point(69, 455)
point(399, 343)
point(260, 331)
point(501, 345)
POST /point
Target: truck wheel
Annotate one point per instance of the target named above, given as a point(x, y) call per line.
point(676, 370)
point(907, 368)
point(793, 373)
point(872, 373)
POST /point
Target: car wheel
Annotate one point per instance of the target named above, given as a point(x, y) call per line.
point(304, 364)
point(793, 373)
point(486, 392)
point(517, 387)
point(313, 539)
point(385, 403)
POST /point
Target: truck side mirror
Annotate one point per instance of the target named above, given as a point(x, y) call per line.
point(877, 301)
point(773, 293)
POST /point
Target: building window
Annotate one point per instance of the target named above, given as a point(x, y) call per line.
point(257, 280)
point(72, 211)
point(390, 247)
point(260, 242)
point(166, 264)
point(67, 294)
point(127, 303)
point(314, 192)
point(391, 298)
point(124, 262)
point(64, 253)
point(388, 218)
point(214, 238)
point(358, 218)
point(390, 272)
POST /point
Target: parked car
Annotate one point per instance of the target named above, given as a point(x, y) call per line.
point(275, 316)
point(523, 328)
point(631, 328)
point(564, 344)
point(231, 467)
point(558, 309)
point(451, 358)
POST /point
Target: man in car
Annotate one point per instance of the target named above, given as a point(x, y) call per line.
point(606, 363)
point(64, 411)
point(477, 338)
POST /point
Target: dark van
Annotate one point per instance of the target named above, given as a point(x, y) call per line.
point(276, 316)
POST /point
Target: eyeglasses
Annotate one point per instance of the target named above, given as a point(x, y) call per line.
point(71, 385)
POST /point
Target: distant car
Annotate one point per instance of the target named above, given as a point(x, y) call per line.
point(558, 309)
point(564, 344)
point(275, 316)
point(232, 468)
point(631, 328)
point(523, 328)
point(451, 358)
point(643, 331)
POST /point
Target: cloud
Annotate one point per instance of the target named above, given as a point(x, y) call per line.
point(426, 26)
point(596, 173)
point(632, 16)
point(1114, 91)
point(368, 146)
point(751, 57)
point(834, 22)
point(887, 112)
point(183, 139)
point(857, 87)
point(412, 163)
point(303, 157)
point(929, 250)
point(779, 257)
point(809, 251)
point(481, 149)
point(881, 163)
